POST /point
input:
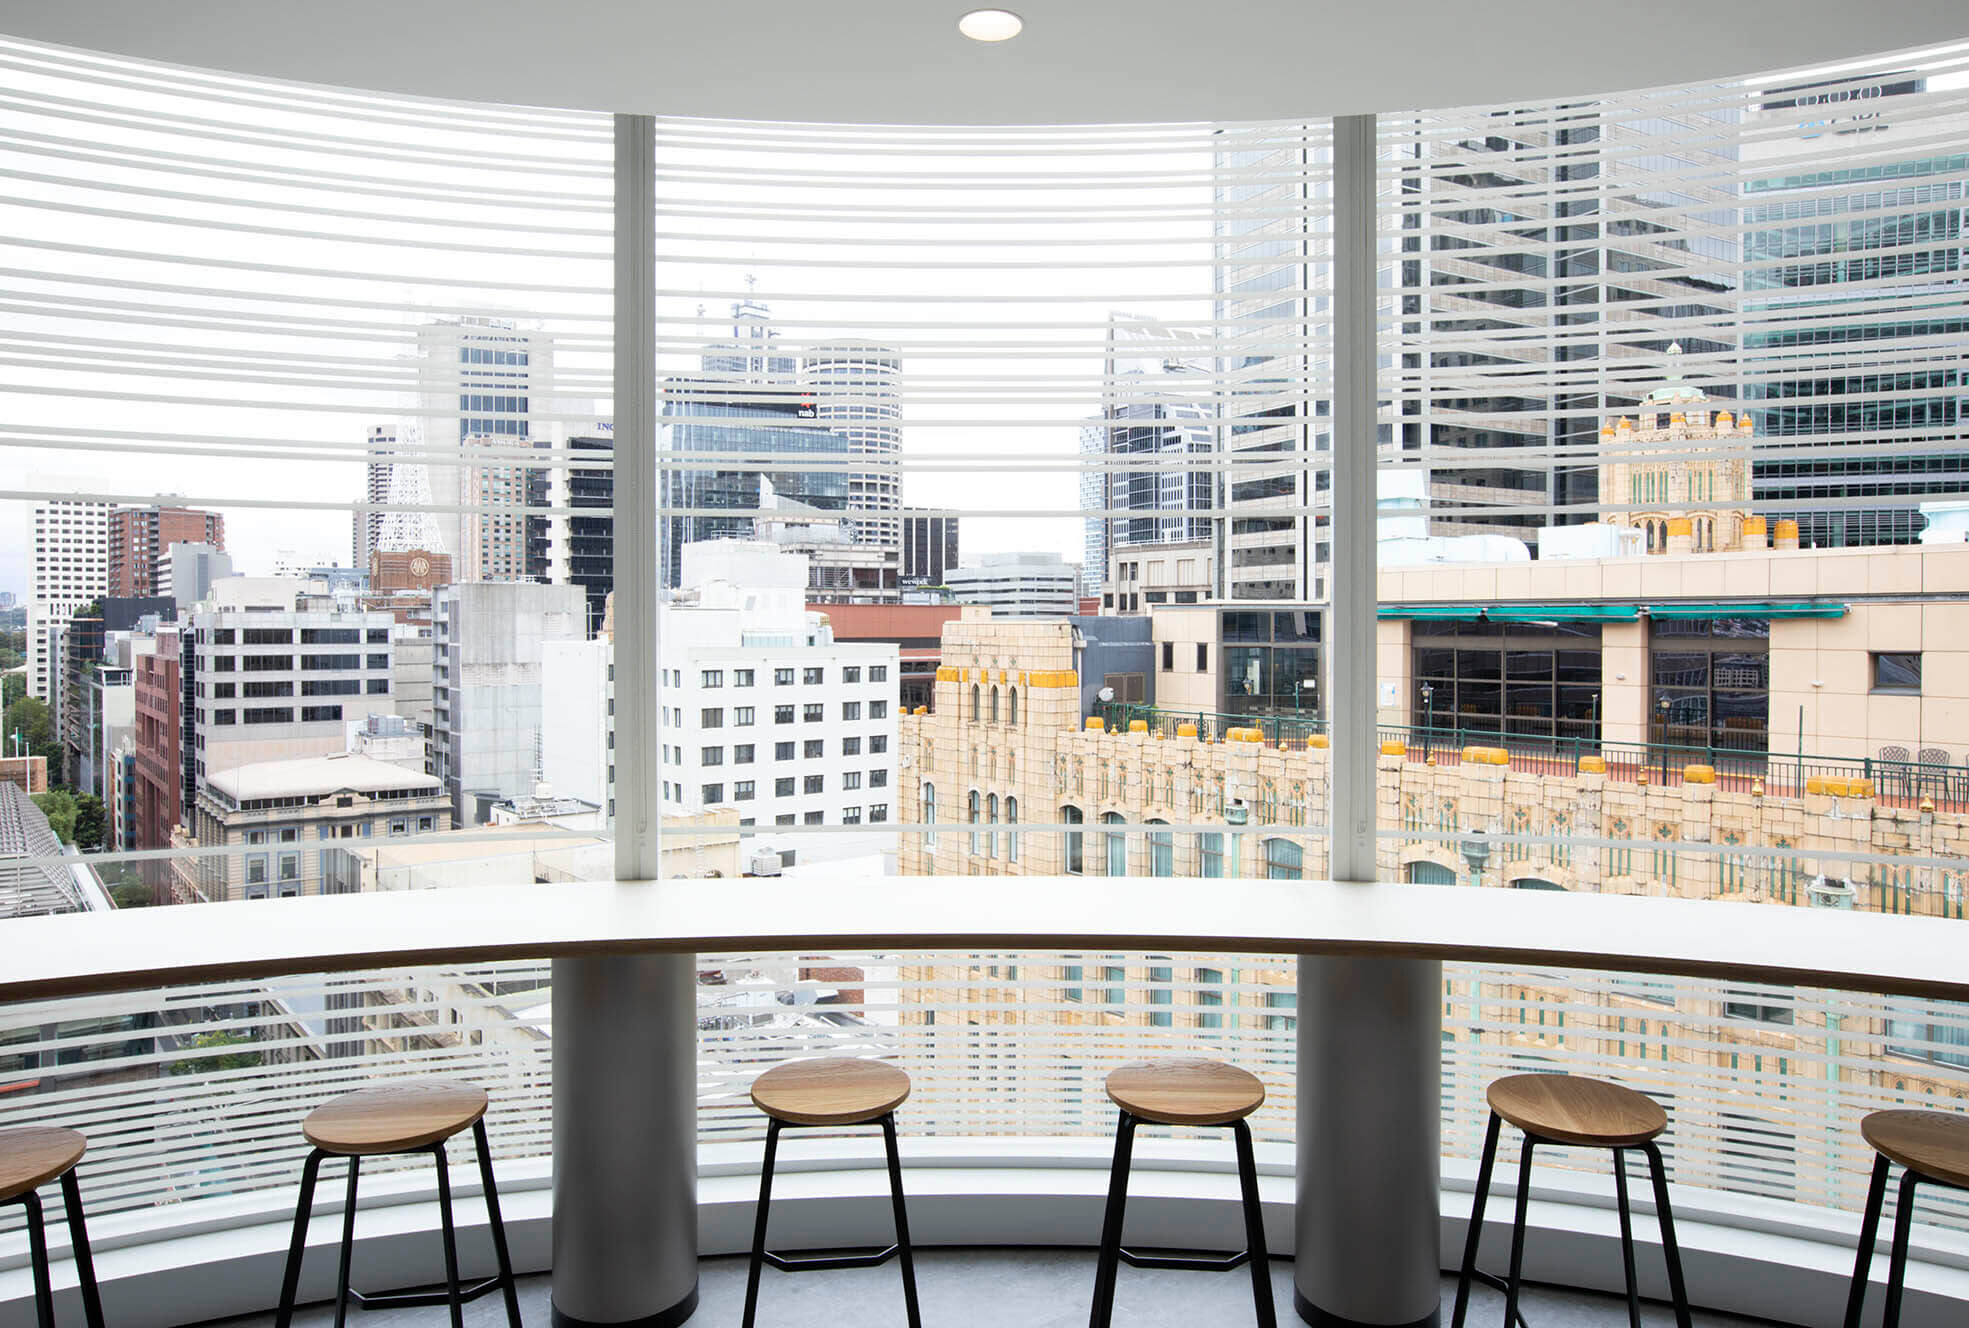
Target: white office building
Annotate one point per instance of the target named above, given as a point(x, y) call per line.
point(763, 710)
point(272, 681)
point(1018, 585)
point(68, 568)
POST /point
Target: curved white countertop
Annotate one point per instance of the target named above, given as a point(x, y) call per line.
point(74, 954)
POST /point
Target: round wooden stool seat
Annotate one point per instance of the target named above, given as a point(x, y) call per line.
point(396, 1118)
point(1185, 1092)
point(1934, 1143)
point(837, 1090)
point(1566, 1109)
point(33, 1155)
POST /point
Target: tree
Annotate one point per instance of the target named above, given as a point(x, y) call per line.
point(91, 823)
point(59, 806)
point(28, 718)
point(13, 686)
point(131, 894)
point(238, 1060)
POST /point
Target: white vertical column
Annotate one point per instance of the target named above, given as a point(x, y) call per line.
point(625, 1029)
point(1370, 1030)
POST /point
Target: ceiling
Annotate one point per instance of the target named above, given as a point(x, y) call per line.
point(1078, 61)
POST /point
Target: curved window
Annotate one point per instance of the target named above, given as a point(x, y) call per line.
point(991, 818)
point(974, 820)
point(994, 705)
point(1013, 696)
point(974, 703)
point(1284, 860)
point(1075, 846)
point(1429, 873)
point(1162, 851)
point(1012, 830)
point(930, 812)
point(1117, 844)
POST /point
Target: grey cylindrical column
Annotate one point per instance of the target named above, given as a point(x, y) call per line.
point(1369, 1091)
point(1369, 1145)
point(625, 1141)
point(625, 1028)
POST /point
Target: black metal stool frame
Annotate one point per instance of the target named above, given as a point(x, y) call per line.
point(1876, 1198)
point(453, 1295)
point(1671, 1253)
point(78, 1239)
point(1113, 1255)
point(762, 1256)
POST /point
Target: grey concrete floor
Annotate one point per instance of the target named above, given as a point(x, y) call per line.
point(1005, 1288)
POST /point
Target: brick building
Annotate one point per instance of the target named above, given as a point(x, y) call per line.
point(140, 540)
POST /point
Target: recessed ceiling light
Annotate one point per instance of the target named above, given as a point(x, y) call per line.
point(990, 25)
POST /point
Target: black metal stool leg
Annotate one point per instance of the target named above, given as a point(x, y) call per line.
point(1677, 1288)
point(1254, 1227)
point(348, 1244)
point(902, 1221)
point(1626, 1237)
point(1876, 1197)
point(37, 1242)
point(1897, 1264)
point(759, 1221)
point(291, 1280)
point(1518, 1234)
point(1474, 1236)
point(1104, 1276)
point(499, 1250)
point(85, 1259)
point(452, 1292)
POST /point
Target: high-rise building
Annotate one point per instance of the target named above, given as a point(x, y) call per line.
point(494, 542)
point(1856, 256)
point(159, 742)
point(1156, 406)
point(487, 702)
point(68, 552)
point(929, 548)
point(857, 388)
point(743, 402)
point(140, 540)
point(478, 379)
point(584, 555)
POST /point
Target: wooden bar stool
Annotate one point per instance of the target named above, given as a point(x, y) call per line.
point(30, 1157)
point(834, 1091)
point(1183, 1092)
point(1931, 1147)
point(415, 1116)
point(1568, 1111)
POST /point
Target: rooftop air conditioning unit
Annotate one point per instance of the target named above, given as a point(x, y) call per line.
point(765, 863)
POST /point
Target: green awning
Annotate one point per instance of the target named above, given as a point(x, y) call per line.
point(1795, 608)
point(1562, 613)
point(1524, 613)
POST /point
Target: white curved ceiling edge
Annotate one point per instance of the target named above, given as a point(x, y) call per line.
point(1078, 61)
point(139, 949)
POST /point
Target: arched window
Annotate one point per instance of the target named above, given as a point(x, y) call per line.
point(994, 705)
point(1012, 829)
point(1284, 860)
point(1015, 705)
point(1422, 872)
point(1162, 851)
point(991, 818)
point(1117, 844)
point(974, 703)
point(930, 811)
point(974, 820)
point(1075, 846)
